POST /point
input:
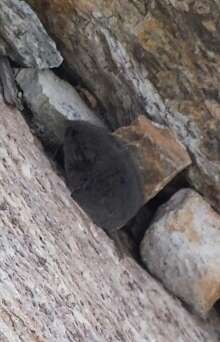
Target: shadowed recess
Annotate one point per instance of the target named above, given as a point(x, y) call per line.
point(101, 174)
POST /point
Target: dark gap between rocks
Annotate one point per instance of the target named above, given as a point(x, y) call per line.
point(217, 307)
point(63, 73)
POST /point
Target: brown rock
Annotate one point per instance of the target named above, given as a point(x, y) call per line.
point(157, 153)
point(182, 248)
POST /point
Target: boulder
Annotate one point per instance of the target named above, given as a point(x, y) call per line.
point(182, 249)
point(156, 151)
point(23, 37)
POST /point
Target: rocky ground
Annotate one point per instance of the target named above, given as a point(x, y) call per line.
point(124, 96)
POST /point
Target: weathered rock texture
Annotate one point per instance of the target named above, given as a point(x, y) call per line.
point(157, 153)
point(182, 248)
point(61, 279)
point(157, 57)
point(23, 37)
point(53, 103)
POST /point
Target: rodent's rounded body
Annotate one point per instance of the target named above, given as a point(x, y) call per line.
point(101, 175)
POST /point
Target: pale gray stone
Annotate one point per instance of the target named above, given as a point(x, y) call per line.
point(182, 249)
point(53, 103)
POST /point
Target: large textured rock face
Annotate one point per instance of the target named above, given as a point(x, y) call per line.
point(158, 57)
point(61, 279)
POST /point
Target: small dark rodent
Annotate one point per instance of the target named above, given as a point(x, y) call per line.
point(101, 175)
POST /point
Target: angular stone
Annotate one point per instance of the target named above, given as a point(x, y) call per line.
point(156, 151)
point(159, 58)
point(53, 103)
point(23, 37)
point(182, 249)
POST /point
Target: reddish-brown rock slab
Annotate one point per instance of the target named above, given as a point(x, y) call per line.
point(156, 151)
point(182, 249)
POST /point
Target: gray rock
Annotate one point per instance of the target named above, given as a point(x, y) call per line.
point(53, 103)
point(182, 248)
point(23, 37)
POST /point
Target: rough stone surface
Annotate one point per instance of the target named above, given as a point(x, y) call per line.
point(61, 279)
point(182, 248)
point(53, 102)
point(23, 37)
point(156, 151)
point(157, 57)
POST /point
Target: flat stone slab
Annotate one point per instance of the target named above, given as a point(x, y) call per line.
point(156, 151)
point(53, 103)
point(182, 249)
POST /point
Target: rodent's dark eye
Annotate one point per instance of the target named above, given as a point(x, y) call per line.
point(71, 132)
point(74, 132)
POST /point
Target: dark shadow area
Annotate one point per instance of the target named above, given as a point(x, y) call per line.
point(217, 307)
point(63, 73)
